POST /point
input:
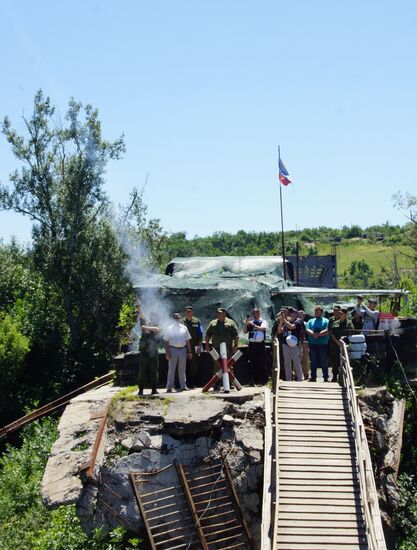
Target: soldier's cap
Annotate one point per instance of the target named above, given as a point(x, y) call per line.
point(373, 301)
point(220, 310)
point(336, 306)
point(189, 307)
point(343, 310)
point(359, 296)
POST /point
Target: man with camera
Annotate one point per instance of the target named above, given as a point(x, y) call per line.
point(256, 329)
point(291, 329)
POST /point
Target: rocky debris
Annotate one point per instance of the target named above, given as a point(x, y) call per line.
point(148, 435)
point(228, 420)
point(382, 414)
point(195, 418)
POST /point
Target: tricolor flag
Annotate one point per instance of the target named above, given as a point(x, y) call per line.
point(283, 174)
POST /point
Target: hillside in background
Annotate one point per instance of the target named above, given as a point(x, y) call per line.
point(384, 249)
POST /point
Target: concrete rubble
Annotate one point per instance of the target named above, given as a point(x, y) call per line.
point(145, 435)
point(77, 431)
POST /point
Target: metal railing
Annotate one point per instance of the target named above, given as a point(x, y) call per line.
point(368, 493)
point(53, 406)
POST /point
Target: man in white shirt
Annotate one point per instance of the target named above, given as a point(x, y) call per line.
point(177, 344)
point(256, 328)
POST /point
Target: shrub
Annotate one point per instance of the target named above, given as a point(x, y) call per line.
point(13, 348)
point(24, 521)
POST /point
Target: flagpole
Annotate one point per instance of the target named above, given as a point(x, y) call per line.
point(282, 222)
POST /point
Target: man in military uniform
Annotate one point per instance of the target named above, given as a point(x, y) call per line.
point(196, 332)
point(340, 327)
point(221, 330)
point(335, 316)
point(149, 345)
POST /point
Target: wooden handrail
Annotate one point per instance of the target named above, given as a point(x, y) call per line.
point(266, 534)
point(369, 496)
point(275, 466)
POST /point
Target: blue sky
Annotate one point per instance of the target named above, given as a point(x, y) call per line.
point(205, 91)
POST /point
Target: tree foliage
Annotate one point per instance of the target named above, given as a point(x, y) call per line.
point(147, 235)
point(24, 521)
point(36, 305)
point(13, 349)
point(264, 243)
point(60, 187)
point(359, 275)
point(408, 202)
point(67, 289)
point(405, 515)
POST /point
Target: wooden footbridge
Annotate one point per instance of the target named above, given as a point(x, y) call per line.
point(321, 492)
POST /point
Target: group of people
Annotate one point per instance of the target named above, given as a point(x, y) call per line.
point(315, 342)
point(182, 342)
point(183, 339)
point(318, 340)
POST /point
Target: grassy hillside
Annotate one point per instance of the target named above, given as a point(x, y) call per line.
point(377, 249)
point(376, 255)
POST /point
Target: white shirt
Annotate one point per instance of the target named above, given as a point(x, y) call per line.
point(370, 319)
point(177, 335)
point(258, 335)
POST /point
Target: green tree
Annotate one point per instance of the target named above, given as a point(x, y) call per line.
point(359, 275)
point(24, 521)
point(13, 349)
point(60, 188)
point(354, 231)
point(408, 202)
point(36, 305)
point(146, 235)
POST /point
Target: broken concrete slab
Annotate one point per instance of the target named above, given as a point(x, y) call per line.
point(149, 435)
point(77, 429)
point(199, 416)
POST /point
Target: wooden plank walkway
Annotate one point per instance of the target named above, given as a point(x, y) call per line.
point(319, 503)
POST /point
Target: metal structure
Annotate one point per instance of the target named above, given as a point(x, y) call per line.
point(317, 271)
point(53, 406)
point(199, 511)
point(89, 467)
point(321, 481)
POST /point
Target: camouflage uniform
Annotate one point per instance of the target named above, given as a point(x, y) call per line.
point(222, 331)
point(149, 345)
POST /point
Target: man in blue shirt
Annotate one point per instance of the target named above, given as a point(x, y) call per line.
point(318, 339)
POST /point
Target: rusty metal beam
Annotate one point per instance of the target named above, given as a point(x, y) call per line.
point(190, 501)
point(237, 504)
point(143, 512)
point(90, 465)
point(53, 405)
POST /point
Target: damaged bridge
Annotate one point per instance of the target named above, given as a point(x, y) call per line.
point(282, 469)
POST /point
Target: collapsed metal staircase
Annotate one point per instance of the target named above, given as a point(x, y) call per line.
point(200, 510)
